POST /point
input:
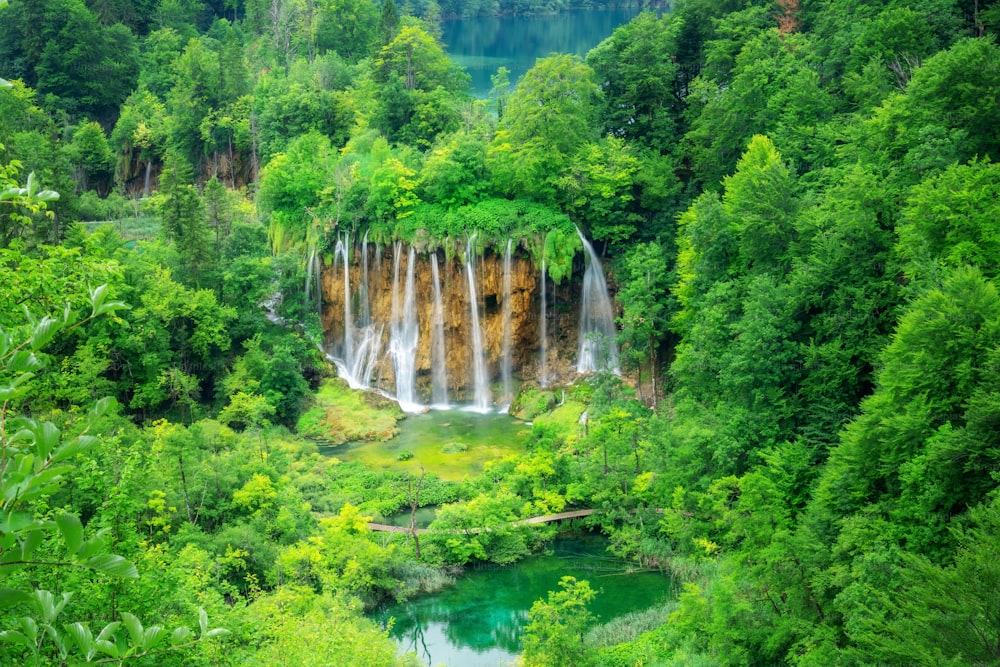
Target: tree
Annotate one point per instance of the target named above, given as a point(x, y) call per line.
point(183, 216)
point(550, 117)
point(195, 91)
point(944, 615)
point(454, 171)
point(952, 220)
point(20, 203)
point(290, 186)
point(418, 61)
point(348, 27)
point(554, 634)
point(500, 92)
point(79, 65)
point(37, 459)
point(636, 70)
point(599, 190)
point(90, 153)
point(773, 91)
point(643, 290)
point(388, 22)
point(760, 200)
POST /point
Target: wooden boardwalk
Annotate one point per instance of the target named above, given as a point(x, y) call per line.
point(574, 514)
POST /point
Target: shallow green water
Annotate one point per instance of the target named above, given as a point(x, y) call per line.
point(449, 443)
point(479, 621)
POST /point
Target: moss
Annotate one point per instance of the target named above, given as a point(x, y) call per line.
point(341, 414)
point(531, 402)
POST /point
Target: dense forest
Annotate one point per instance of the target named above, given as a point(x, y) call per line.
point(798, 205)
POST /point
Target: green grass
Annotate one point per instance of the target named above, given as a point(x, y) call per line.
point(564, 421)
point(341, 414)
point(630, 626)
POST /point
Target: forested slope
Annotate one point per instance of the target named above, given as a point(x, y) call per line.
point(801, 210)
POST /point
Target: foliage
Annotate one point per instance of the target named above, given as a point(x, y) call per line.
point(555, 632)
point(341, 415)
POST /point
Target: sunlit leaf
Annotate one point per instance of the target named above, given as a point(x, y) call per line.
point(113, 564)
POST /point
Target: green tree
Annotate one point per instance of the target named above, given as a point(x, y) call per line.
point(37, 459)
point(90, 153)
point(774, 91)
point(944, 615)
point(636, 70)
point(195, 91)
point(644, 286)
point(549, 118)
point(555, 630)
point(951, 220)
point(291, 186)
point(182, 214)
point(348, 27)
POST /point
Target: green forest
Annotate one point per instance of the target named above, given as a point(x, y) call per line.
point(800, 213)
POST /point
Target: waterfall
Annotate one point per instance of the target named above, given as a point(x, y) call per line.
point(439, 374)
point(543, 375)
point(507, 334)
point(482, 389)
point(404, 333)
point(365, 315)
point(145, 182)
point(598, 350)
point(362, 339)
point(340, 250)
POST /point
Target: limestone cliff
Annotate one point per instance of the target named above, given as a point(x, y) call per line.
point(383, 277)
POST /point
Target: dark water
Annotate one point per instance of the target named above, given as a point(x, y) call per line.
point(483, 44)
point(479, 621)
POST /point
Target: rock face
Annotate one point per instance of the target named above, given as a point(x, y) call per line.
point(369, 336)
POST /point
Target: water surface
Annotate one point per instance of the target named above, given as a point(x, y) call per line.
point(452, 444)
point(479, 622)
point(485, 43)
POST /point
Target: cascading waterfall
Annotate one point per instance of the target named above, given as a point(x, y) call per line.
point(481, 399)
point(598, 350)
point(377, 343)
point(543, 375)
point(362, 340)
point(340, 251)
point(508, 397)
point(365, 314)
point(439, 375)
point(404, 334)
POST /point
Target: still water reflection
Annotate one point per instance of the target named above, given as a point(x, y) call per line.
point(479, 621)
point(483, 44)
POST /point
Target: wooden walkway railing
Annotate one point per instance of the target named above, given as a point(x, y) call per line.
point(574, 514)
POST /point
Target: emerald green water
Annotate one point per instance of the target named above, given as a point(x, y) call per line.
point(484, 43)
point(452, 444)
point(479, 621)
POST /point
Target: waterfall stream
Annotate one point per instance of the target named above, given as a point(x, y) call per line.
point(404, 333)
point(439, 375)
point(381, 342)
point(508, 395)
point(481, 400)
point(543, 374)
point(598, 350)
